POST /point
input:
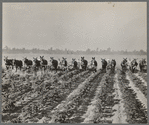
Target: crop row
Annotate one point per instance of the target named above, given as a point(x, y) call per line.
point(52, 90)
point(67, 108)
point(54, 97)
point(37, 85)
point(139, 84)
point(101, 106)
point(134, 109)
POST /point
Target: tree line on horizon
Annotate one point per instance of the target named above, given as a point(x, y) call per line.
point(108, 51)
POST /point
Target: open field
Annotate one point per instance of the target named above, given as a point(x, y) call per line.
point(74, 97)
point(84, 62)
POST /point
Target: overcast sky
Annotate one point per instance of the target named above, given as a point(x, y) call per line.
point(75, 26)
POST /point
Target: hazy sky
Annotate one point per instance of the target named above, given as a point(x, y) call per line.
point(75, 26)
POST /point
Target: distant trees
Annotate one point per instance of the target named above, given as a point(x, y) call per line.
point(108, 51)
point(6, 49)
point(142, 52)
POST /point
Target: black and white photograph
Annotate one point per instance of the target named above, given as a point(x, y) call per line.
point(74, 62)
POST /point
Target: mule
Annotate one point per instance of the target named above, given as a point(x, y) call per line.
point(74, 63)
point(54, 63)
point(84, 63)
point(133, 65)
point(28, 62)
point(37, 64)
point(104, 64)
point(64, 64)
point(124, 64)
point(18, 64)
point(43, 62)
point(113, 64)
point(94, 64)
point(8, 62)
point(143, 65)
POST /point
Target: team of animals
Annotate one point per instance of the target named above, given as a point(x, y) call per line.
point(74, 64)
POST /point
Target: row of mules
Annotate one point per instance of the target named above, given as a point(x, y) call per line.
point(63, 64)
point(132, 65)
point(39, 64)
point(43, 63)
point(84, 64)
point(107, 64)
point(74, 65)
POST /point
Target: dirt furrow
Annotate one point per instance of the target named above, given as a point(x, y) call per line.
point(119, 115)
point(137, 75)
point(143, 75)
point(139, 94)
point(138, 83)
